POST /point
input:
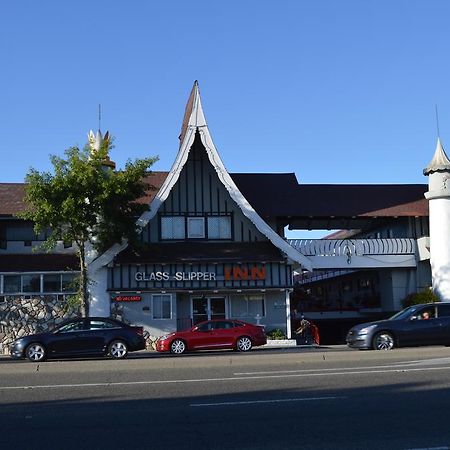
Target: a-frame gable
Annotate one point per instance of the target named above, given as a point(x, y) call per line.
point(194, 122)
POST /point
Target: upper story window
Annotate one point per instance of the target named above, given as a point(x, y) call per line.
point(219, 227)
point(173, 227)
point(196, 227)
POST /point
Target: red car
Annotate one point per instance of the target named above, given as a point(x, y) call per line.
point(214, 334)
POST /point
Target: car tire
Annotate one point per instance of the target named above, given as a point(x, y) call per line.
point(177, 347)
point(118, 349)
point(383, 341)
point(35, 352)
point(244, 344)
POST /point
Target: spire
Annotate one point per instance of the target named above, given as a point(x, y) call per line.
point(96, 142)
point(440, 161)
point(193, 114)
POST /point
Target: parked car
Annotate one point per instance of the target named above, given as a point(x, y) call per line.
point(425, 324)
point(214, 334)
point(81, 337)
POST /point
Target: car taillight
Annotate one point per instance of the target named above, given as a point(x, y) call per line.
point(139, 330)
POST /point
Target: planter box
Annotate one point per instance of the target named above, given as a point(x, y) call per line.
point(281, 343)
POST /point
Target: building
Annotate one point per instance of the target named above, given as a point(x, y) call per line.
point(214, 246)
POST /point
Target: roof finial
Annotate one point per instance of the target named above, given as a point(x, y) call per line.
point(437, 122)
point(99, 116)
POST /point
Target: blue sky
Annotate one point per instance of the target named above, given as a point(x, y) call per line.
point(335, 91)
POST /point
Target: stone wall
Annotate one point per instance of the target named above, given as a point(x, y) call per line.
point(19, 316)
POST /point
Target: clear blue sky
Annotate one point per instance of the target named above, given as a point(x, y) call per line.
point(335, 91)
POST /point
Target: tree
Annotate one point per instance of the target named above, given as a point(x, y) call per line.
point(86, 202)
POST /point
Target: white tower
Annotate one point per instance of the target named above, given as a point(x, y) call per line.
point(438, 171)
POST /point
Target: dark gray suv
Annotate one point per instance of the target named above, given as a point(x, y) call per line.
point(426, 324)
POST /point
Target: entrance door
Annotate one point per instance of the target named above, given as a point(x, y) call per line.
point(207, 308)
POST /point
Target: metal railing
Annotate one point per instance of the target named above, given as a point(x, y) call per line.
point(354, 247)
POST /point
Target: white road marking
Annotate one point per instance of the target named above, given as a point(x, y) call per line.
point(234, 378)
point(281, 400)
point(406, 364)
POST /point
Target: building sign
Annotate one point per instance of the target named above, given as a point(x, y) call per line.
point(233, 273)
point(177, 276)
point(244, 273)
point(128, 298)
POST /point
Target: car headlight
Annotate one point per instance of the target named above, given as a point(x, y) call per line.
point(365, 330)
point(165, 336)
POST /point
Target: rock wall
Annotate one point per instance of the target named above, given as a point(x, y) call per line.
point(19, 317)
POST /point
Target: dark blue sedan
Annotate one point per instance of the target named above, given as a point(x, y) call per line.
point(91, 336)
point(425, 324)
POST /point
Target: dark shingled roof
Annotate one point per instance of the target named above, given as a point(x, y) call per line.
point(186, 252)
point(280, 195)
point(11, 198)
point(38, 262)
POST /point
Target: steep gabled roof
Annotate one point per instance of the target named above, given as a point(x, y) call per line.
point(194, 122)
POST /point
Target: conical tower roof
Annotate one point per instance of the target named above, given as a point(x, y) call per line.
point(440, 161)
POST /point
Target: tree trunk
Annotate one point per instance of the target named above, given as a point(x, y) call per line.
point(84, 293)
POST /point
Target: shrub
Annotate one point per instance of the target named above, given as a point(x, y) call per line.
point(276, 334)
point(425, 296)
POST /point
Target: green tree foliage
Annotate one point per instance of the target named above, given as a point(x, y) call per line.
point(86, 202)
point(417, 298)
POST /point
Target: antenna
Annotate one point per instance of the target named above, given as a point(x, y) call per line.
point(100, 116)
point(437, 121)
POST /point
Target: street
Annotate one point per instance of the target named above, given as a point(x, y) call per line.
point(323, 398)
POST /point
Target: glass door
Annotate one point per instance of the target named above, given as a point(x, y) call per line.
point(207, 308)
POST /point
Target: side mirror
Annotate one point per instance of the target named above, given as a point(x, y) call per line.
point(414, 318)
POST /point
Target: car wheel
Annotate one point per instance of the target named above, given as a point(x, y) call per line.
point(177, 347)
point(383, 341)
point(35, 352)
point(244, 344)
point(118, 349)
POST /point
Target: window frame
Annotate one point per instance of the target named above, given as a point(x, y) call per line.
point(161, 296)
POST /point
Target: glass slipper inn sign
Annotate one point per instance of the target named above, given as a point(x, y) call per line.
point(234, 273)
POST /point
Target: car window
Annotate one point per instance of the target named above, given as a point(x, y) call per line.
point(208, 326)
point(426, 313)
point(223, 325)
point(404, 313)
point(444, 310)
point(101, 324)
point(71, 327)
point(239, 324)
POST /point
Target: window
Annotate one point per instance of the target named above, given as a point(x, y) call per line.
point(162, 306)
point(31, 283)
point(71, 327)
point(247, 306)
point(69, 282)
point(444, 310)
point(204, 327)
point(52, 283)
point(101, 325)
point(12, 283)
point(219, 227)
point(172, 228)
point(196, 227)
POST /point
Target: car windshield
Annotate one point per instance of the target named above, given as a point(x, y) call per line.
point(404, 313)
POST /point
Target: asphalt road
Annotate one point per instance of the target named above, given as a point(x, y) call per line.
point(326, 398)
